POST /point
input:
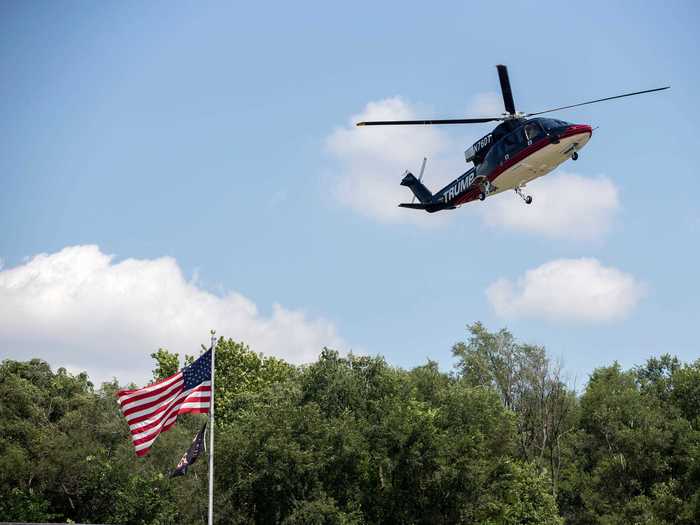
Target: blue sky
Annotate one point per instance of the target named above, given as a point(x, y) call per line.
point(215, 141)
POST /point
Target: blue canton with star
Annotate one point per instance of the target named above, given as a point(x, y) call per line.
point(198, 372)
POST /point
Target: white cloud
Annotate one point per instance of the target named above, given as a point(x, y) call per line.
point(568, 290)
point(565, 206)
point(372, 160)
point(78, 308)
point(488, 104)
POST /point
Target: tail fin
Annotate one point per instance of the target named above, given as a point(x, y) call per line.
point(417, 187)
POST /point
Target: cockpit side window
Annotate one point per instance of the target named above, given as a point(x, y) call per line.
point(532, 131)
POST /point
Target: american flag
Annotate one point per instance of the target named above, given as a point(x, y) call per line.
point(154, 409)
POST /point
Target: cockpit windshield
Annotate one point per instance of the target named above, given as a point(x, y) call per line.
point(551, 123)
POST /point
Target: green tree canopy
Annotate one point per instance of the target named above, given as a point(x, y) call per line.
point(351, 439)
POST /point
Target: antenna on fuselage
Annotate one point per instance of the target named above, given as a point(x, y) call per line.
point(422, 169)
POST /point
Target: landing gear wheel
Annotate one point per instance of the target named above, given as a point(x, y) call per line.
point(574, 156)
point(482, 196)
point(521, 194)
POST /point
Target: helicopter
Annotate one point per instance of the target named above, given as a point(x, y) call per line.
point(518, 150)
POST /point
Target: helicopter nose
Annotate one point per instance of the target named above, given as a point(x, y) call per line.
point(575, 129)
point(577, 135)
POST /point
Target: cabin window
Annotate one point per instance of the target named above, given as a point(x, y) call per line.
point(512, 143)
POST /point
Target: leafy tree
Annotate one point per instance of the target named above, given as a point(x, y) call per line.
point(529, 385)
point(350, 439)
point(145, 501)
point(685, 392)
point(167, 364)
point(634, 448)
point(517, 494)
point(241, 373)
point(321, 511)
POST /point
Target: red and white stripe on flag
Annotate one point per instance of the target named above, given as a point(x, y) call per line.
point(154, 409)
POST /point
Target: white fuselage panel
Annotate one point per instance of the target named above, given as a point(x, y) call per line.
point(539, 163)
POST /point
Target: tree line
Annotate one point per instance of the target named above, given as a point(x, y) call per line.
point(502, 439)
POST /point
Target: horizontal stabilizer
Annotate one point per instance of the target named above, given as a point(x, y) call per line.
point(430, 207)
point(414, 206)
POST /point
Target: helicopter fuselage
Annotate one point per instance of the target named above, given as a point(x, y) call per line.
point(512, 155)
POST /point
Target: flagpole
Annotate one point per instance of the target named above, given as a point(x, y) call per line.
point(211, 432)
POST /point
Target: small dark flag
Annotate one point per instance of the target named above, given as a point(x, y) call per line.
point(191, 455)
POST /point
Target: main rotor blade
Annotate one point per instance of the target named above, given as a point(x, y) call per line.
point(599, 100)
point(508, 101)
point(429, 122)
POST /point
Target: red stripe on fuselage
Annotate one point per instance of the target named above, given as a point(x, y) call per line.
point(473, 194)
